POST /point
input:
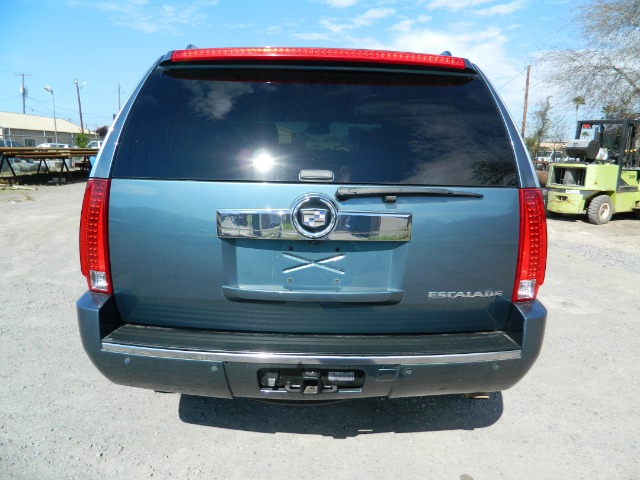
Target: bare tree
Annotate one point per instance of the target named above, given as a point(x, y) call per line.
point(542, 123)
point(608, 71)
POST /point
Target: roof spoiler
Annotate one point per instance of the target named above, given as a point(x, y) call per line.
point(322, 54)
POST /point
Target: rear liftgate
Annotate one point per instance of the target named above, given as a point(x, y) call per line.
point(327, 267)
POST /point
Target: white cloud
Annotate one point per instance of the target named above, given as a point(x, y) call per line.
point(372, 15)
point(239, 26)
point(157, 18)
point(454, 5)
point(403, 26)
point(341, 3)
point(334, 27)
point(464, 42)
point(407, 24)
point(364, 20)
point(502, 9)
point(470, 6)
point(216, 100)
point(274, 30)
point(312, 37)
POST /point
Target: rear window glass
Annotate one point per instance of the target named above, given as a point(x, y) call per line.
point(357, 127)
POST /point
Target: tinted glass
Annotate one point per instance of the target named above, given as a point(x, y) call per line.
point(364, 128)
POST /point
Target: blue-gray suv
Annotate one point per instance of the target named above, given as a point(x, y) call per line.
point(313, 224)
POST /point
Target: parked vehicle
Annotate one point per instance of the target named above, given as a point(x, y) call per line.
point(313, 224)
point(94, 144)
point(9, 143)
point(604, 178)
point(548, 156)
point(53, 145)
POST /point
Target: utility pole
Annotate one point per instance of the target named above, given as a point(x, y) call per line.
point(23, 90)
point(526, 101)
point(55, 122)
point(118, 97)
point(75, 80)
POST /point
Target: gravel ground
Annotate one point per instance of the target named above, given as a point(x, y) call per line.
point(574, 416)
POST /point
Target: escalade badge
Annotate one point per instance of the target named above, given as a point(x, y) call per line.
point(314, 215)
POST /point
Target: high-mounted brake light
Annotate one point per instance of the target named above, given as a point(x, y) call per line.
point(532, 255)
point(326, 54)
point(94, 251)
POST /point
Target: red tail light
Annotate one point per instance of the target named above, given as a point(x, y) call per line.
point(94, 251)
point(331, 54)
point(532, 255)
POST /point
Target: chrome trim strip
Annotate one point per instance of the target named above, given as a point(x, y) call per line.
point(274, 224)
point(294, 359)
point(339, 296)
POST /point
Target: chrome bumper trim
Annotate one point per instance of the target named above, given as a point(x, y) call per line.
point(255, 357)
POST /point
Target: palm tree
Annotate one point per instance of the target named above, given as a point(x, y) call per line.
point(579, 100)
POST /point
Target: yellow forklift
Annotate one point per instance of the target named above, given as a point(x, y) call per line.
point(603, 175)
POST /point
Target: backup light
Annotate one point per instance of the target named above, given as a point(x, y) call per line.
point(532, 254)
point(326, 54)
point(94, 249)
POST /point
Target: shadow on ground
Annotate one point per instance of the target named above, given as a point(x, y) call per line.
point(349, 418)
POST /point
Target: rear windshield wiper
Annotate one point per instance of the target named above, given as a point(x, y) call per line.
point(390, 194)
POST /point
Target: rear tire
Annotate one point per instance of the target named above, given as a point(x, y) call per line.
point(600, 210)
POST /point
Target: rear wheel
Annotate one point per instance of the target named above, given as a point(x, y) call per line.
point(600, 210)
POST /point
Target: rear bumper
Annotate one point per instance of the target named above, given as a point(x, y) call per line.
point(230, 365)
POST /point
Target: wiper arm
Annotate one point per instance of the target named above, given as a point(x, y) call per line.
point(390, 194)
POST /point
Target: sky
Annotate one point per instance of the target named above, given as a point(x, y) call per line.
point(107, 46)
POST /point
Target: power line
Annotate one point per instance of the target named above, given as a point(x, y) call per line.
point(8, 98)
point(517, 75)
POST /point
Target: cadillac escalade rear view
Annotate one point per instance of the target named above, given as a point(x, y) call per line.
point(313, 224)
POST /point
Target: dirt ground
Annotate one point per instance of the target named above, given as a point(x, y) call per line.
point(574, 416)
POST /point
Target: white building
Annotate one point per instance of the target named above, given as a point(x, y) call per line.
point(32, 130)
